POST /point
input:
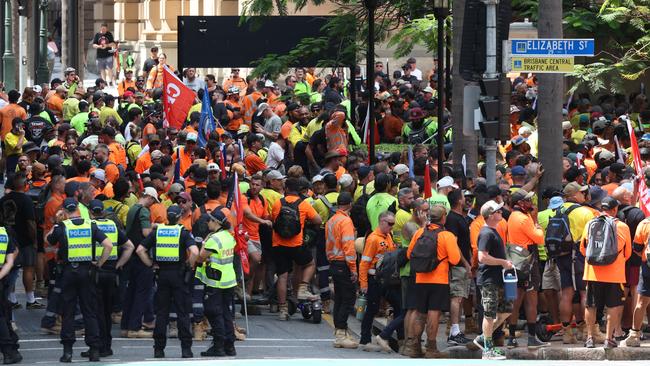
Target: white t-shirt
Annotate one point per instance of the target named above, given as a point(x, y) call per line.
point(417, 73)
point(275, 155)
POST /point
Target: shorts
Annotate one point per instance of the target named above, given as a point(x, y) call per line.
point(632, 274)
point(494, 301)
point(254, 246)
point(604, 293)
point(459, 283)
point(644, 285)
point(409, 294)
point(104, 63)
point(551, 276)
point(27, 256)
point(432, 296)
point(285, 256)
point(571, 271)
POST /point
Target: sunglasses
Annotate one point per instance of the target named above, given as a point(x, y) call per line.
point(181, 201)
point(390, 223)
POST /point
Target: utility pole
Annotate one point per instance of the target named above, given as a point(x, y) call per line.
point(549, 101)
point(42, 72)
point(371, 6)
point(8, 57)
point(491, 73)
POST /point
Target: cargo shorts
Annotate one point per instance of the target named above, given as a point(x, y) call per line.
point(494, 300)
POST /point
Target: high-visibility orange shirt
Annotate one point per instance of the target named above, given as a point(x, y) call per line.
point(78, 179)
point(609, 188)
point(336, 136)
point(186, 161)
point(254, 163)
point(51, 207)
point(448, 253)
point(641, 237)
point(611, 273)
point(306, 212)
point(339, 240)
point(238, 82)
point(125, 84)
point(249, 106)
point(112, 173)
point(258, 207)
point(186, 221)
point(158, 213)
point(377, 244)
point(55, 104)
point(475, 229)
point(234, 123)
point(117, 154)
point(211, 205)
point(7, 115)
point(149, 129)
point(522, 231)
point(143, 163)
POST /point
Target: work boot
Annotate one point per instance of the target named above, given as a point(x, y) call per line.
point(383, 344)
point(93, 354)
point(200, 331)
point(239, 335)
point(172, 331)
point(413, 348)
point(342, 341)
point(305, 294)
point(139, 334)
point(67, 354)
point(187, 353)
point(158, 353)
point(432, 350)
point(11, 355)
point(327, 306)
point(581, 331)
point(229, 348)
point(216, 350)
point(633, 339)
point(534, 342)
point(284, 312)
point(568, 337)
point(470, 326)
point(597, 335)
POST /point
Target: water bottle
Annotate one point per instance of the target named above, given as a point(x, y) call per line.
point(360, 306)
point(510, 285)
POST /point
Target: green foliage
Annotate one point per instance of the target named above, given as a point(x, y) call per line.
point(421, 31)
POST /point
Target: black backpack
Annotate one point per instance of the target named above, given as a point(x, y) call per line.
point(602, 243)
point(200, 229)
point(558, 238)
point(388, 267)
point(424, 256)
point(359, 215)
point(287, 224)
point(635, 259)
point(199, 195)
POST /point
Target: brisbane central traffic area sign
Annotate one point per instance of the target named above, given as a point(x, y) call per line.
point(542, 64)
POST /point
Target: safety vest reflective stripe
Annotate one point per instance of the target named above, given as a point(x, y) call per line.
point(372, 271)
point(222, 245)
point(168, 243)
point(79, 241)
point(334, 251)
point(4, 242)
point(248, 114)
point(109, 228)
point(365, 258)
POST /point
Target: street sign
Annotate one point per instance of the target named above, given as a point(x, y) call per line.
point(540, 65)
point(552, 47)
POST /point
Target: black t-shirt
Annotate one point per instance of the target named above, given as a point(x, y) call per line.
point(24, 208)
point(456, 224)
point(186, 241)
point(490, 241)
point(103, 39)
point(149, 64)
point(35, 127)
point(58, 237)
point(318, 144)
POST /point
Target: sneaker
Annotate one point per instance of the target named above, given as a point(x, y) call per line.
point(371, 347)
point(34, 305)
point(458, 340)
point(383, 344)
point(15, 306)
point(477, 343)
point(534, 342)
point(499, 351)
point(490, 354)
point(589, 343)
point(610, 343)
point(284, 312)
point(512, 342)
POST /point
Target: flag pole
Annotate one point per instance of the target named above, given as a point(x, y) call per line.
point(243, 287)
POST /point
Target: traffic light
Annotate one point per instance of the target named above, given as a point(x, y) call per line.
point(490, 106)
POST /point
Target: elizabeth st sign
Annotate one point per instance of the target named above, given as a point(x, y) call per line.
point(545, 55)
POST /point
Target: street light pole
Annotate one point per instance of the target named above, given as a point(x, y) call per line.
point(371, 5)
point(8, 57)
point(491, 72)
point(42, 72)
point(441, 10)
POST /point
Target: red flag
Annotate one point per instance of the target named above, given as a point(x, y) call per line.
point(177, 99)
point(240, 233)
point(644, 195)
point(427, 181)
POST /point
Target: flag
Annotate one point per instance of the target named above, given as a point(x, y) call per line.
point(206, 123)
point(241, 149)
point(177, 99)
point(177, 166)
point(237, 212)
point(644, 195)
point(427, 181)
point(222, 161)
point(620, 155)
point(463, 162)
point(411, 163)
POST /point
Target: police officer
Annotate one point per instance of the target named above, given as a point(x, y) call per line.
point(75, 237)
point(169, 244)
point(218, 275)
point(106, 280)
point(8, 338)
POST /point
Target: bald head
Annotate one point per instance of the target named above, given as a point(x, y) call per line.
point(622, 195)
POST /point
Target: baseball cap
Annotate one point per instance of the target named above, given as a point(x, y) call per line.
point(555, 202)
point(566, 125)
point(345, 180)
point(609, 203)
point(274, 174)
point(597, 194)
point(70, 204)
point(617, 168)
point(400, 169)
point(344, 198)
point(489, 208)
point(192, 137)
point(518, 140)
point(186, 196)
point(521, 194)
point(605, 155)
point(99, 174)
point(127, 94)
point(363, 171)
point(518, 170)
point(150, 191)
point(70, 188)
point(268, 84)
point(317, 178)
point(218, 216)
point(447, 182)
point(573, 188)
point(600, 125)
point(156, 154)
point(436, 212)
point(96, 206)
point(213, 167)
point(30, 147)
point(200, 174)
point(262, 107)
point(176, 188)
point(428, 89)
point(174, 211)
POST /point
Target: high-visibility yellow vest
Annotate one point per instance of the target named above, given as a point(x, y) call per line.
point(109, 228)
point(218, 271)
point(4, 243)
point(80, 241)
point(168, 243)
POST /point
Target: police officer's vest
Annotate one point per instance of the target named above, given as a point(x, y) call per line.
point(4, 243)
point(218, 271)
point(168, 243)
point(80, 241)
point(109, 228)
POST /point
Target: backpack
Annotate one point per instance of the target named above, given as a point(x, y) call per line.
point(635, 259)
point(113, 214)
point(120, 169)
point(557, 239)
point(331, 207)
point(359, 215)
point(424, 256)
point(602, 243)
point(417, 136)
point(387, 269)
point(200, 229)
point(287, 224)
point(199, 195)
point(8, 213)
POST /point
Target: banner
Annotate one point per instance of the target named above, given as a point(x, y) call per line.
point(206, 123)
point(177, 99)
point(644, 196)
